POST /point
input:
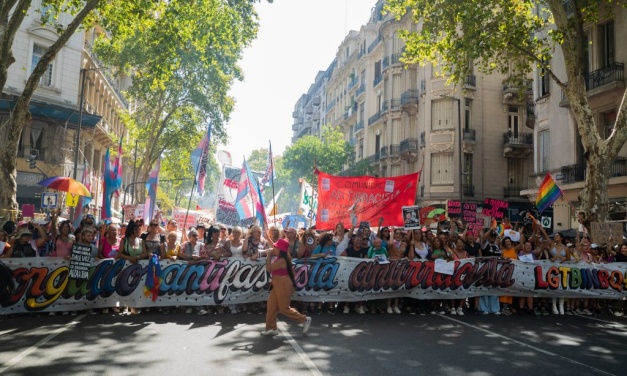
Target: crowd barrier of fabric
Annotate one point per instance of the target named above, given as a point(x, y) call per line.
point(43, 284)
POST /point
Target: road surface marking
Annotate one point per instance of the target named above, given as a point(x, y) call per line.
point(299, 350)
point(34, 348)
point(527, 345)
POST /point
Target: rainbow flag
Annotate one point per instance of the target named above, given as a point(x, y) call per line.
point(548, 193)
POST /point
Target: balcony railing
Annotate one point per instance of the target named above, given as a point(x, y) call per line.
point(106, 74)
point(374, 118)
point(395, 150)
point(385, 106)
point(512, 192)
point(469, 135)
point(374, 43)
point(383, 152)
point(612, 73)
point(386, 63)
point(471, 80)
point(330, 105)
point(395, 104)
point(359, 126)
point(377, 80)
point(361, 90)
point(422, 140)
point(409, 145)
point(352, 83)
point(395, 59)
point(518, 138)
point(468, 190)
point(410, 96)
point(577, 172)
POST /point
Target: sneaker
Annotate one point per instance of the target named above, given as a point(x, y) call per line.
point(389, 310)
point(442, 312)
point(188, 311)
point(51, 314)
point(555, 311)
point(270, 333)
point(434, 313)
point(306, 324)
point(578, 311)
point(506, 311)
point(361, 310)
point(346, 309)
point(106, 310)
point(460, 311)
point(537, 312)
point(618, 313)
point(497, 313)
point(396, 310)
point(570, 312)
point(332, 311)
point(486, 312)
point(202, 312)
point(586, 312)
point(453, 311)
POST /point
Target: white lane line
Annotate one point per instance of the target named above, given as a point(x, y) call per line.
point(528, 346)
point(299, 350)
point(34, 348)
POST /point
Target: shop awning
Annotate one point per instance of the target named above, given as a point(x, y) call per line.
point(46, 111)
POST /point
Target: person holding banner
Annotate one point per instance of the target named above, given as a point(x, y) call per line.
point(490, 304)
point(254, 243)
point(279, 265)
point(109, 244)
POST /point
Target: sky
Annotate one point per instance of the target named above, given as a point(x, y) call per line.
point(296, 39)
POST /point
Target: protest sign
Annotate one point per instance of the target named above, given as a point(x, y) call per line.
point(494, 208)
point(454, 208)
point(411, 217)
point(602, 231)
point(80, 262)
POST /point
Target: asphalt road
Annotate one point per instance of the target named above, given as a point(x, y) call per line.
point(373, 344)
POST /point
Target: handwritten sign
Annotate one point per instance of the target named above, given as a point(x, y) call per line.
point(494, 208)
point(454, 208)
point(411, 217)
point(80, 262)
point(444, 267)
point(601, 232)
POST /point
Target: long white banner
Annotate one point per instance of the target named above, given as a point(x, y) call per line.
point(42, 284)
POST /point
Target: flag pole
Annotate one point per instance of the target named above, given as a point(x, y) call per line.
point(189, 202)
point(275, 209)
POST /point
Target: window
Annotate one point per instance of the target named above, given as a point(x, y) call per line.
point(441, 114)
point(544, 81)
point(360, 149)
point(514, 122)
point(607, 54)
point(38, 53)
point(544, 141)
point(515, 172)
point(441, 168)
point(362, 107)
point(607, 120)
point(468, 115)
point(377, 69)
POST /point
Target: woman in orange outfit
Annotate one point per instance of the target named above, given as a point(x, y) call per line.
point(278, 263)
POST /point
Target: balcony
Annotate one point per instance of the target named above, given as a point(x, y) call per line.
point(374, 159)
point(297, 124)
point(409, 149)
point(316, 100)
point(385, 64)
point(530, 120)
point(374, 43)
point(395, 151)
point(468, 190)
point(577, 172)
point(352, 83)
point(361, 90)
point(395, 59)
point(377, 80)
point(359, 126)
point(409, 101)
point(470, 82)
point(517, 144)
point(374, 118)
point(513, 89)
point(330, 105)
point(469, 135)
point(512, 192)
point(604, 76)
point(383, 153)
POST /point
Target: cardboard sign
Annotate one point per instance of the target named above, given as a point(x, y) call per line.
point(454, 208)
point(71, 200)
point(28, 210)
point(601, 232)
point(494, 208)
point(80, 262)
point(444, 267)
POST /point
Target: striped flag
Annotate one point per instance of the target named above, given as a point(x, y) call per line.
point(199, 158)
point(117, 169)
point(110, 184)
point(257, 198)
point(242, 203)
point(151, 186)
point(548, 193)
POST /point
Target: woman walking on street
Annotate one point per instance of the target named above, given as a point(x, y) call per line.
point(279, 265)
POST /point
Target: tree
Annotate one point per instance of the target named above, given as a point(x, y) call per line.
point(330, 153)
point(183, 59)
point(12, 14)
point(511, 37)
point(258, 160)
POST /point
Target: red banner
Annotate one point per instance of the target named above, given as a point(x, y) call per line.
point(367, 197)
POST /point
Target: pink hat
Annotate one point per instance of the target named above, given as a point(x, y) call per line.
point(282, 244)
point(21, 223)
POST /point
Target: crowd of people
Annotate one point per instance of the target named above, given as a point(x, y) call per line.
point(136, 240)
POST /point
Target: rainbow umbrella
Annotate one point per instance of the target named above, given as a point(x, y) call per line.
point(65, 184)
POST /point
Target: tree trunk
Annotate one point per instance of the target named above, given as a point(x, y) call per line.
point(10, 134)
point(593, 197)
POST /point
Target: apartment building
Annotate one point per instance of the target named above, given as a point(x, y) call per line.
point(311, 107)
point(558, 147)
point(472, 141)
point(50, 138)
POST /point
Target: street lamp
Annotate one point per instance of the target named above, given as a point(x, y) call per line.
point(80, 122)
point(459, 144)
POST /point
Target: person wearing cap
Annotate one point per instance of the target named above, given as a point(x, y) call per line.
point(279, 264)
point(23, 246)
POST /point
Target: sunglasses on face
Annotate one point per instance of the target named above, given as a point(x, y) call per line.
point(193, 236)
point(153, 225)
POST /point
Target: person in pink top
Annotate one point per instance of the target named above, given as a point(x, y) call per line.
point(63, 239)
point(110, 244)
point(278, 263)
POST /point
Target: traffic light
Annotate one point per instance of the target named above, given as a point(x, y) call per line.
point(32, 159)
